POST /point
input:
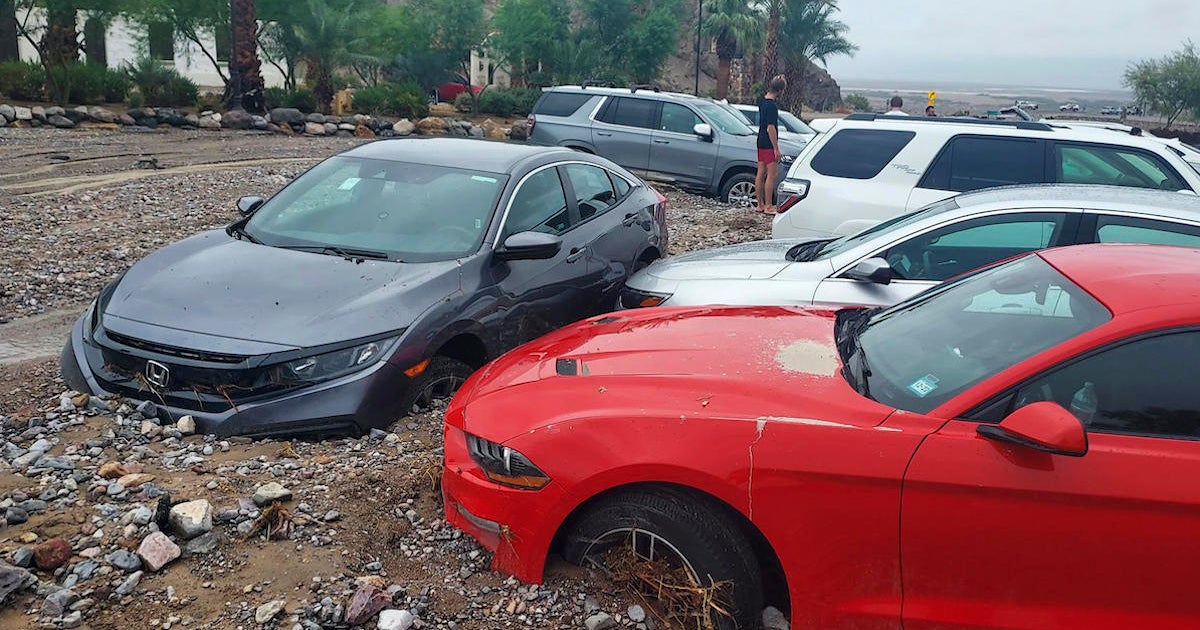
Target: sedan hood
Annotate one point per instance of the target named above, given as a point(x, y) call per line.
point(218, 286)
point(754, 363)
point(756, 260)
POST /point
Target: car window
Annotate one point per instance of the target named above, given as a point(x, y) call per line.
point(1113, 166)
point(630, 112)
point(1145, 387)
point(956, 249)
point(793, 124)
point(678, 119)
point(929, 348)
point(593, 189)
point(620, 185)
point(539, 206)
point(750, 114)
point(859, 153)
point(560, 103)
point(1118, 229)
point(974, 162)
point(851, 241)
point(725, 118)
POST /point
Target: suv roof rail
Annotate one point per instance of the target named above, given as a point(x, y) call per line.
point(596, 83)
point(1018, 124)
point(643, 86)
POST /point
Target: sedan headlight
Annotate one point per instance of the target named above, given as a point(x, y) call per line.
point(634, 298)
point(504, 465)
point(331, 365)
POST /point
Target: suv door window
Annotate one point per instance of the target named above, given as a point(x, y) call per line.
point(859, 153)
point(678, 119)
point(560, 103)
point(629, 112)
point(1145, 387)
point(1113, 166)
point(593, 190)
point(956, 249)
point(1118, 229)
point(972, 162)
point(539, 206)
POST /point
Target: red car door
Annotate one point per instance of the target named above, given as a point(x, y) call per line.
point(996, 535)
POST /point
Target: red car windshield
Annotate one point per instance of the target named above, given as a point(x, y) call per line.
point(922, 352)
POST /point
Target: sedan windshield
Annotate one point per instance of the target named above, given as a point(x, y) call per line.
point(847, 243)
point(793, 124)
point(382, 209)
point(723, 119)
point(922, 352)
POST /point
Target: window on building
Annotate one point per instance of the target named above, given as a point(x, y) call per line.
point(224, 44)
point(94, 42)
point(162, 42)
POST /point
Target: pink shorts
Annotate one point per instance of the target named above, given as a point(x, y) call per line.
point(766, 156)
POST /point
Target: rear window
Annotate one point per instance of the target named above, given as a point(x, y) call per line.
point(974, 162)
point(859, 153)
point(630, 112)
point(560, 103)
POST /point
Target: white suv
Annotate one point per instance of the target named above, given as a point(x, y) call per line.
point(869, 168)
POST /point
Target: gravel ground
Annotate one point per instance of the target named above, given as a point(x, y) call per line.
point(83, 480)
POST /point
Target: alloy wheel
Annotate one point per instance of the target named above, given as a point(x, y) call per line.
point(741, 194)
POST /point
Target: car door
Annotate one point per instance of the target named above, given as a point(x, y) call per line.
point(1081, 163)
point(610, 234)
point(622, 131)
point(927, 258)
point(970, 162)
point(997, 535)
point(1117, 228)
point(538, 296)
point(677, 154)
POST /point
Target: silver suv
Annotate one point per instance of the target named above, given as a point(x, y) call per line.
point(694, 143)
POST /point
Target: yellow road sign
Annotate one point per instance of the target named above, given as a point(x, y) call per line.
point(932, 96)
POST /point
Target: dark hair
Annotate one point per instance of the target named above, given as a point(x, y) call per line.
point(929, 108)
point(897, 101)
point(778, 84)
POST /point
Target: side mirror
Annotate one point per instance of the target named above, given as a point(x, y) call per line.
point(874, 270)
point(1043, 426)
point(247, 205)
point(529, 246)
point(703, 130)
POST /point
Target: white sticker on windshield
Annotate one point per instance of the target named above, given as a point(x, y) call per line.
point(486, 180)
point(478, 223)
point(350, 182)
point(924, 386)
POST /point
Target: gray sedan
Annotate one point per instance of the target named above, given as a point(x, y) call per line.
point(910, 253)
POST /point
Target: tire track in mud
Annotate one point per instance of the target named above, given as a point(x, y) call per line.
point(75, 183)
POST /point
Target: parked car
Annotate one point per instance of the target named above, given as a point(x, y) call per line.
point(790, 127)
point(1110, 111)
point(370, 285)
point(1011, 447)
point(1027, 105)
point(870, 168)
point(447, 92)
point(691, 142)
point(1069, 107)
point(897, 259)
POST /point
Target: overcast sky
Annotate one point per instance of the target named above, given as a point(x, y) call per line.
point(1054, 43)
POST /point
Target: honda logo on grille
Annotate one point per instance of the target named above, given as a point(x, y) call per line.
point(157, 374)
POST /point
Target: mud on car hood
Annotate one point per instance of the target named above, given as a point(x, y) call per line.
point(769, 363)
point(213, 285)
point(757, 260)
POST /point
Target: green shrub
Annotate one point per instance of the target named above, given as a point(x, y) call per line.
point(210, 102)
point(462, 103)
point(136, 100)
point(302, 99)
point(405, 100)
point(160, 85)
point(85, 83)
point(858, 102)
point(21, 80)
point(508, 103)
point(114, 86)
point(275, 97)
point(180, 92)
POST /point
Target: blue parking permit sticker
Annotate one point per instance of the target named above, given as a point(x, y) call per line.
point(924, 386)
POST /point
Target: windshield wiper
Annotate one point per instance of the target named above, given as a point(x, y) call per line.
point(806, 252)
point(852, 348)
point(241, 233)
point(345, 252)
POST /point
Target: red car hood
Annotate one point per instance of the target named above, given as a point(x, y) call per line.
point(762, 363)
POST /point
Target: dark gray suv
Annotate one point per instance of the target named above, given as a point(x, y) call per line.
point(694, 143)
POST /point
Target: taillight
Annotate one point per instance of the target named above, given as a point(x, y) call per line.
point(660, 217)
point(787, 205)
point(792, 191)
point(530, 122)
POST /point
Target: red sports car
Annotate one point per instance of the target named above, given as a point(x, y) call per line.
point(1019, 448)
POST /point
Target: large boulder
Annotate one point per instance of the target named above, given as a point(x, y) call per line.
point(51, 554)
point(191, 518)
point(156, 551)
point(286, 115)
point(8, 112)
point(99, 114)
point(13, 579)
point(314, 129)
point(272, 491)
point(404, 127)
point(315, 118)
point(363, 131)
point(432, 124)
point(62, 122)
point(237, 119)
point(23, 113)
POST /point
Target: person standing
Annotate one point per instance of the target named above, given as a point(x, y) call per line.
point(768, 145)
point(930, 111)
point(896, 104)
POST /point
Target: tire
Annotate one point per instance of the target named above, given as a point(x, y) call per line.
point(739, 190)
point(68, 368)
point(704, 537)
point(441, 378)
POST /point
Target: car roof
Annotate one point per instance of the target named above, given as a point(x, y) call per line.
point(1164, 203)
point(643, 92)
point(1128, 278)
point(471, 153)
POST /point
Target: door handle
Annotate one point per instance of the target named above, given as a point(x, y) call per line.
point(576, 253)
point(603, 133)
point(630, 219)
point(662, 142)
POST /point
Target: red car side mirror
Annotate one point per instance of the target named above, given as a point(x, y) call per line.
point(1044, 426)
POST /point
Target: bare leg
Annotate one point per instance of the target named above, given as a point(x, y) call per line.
point(768, 194)
point(760, 187)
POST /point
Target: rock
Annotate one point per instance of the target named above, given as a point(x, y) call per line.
point(203, 544)
point(141, 516)
point(130, 583)
point(148, 409)
point(186, 425)
point(636, 613)
point(56, 603)
point(236, 119)
point(22, 113)
point(38, 112)
point(286, 115)
point(209, 123)
point(519, 131)
point(404, 127)
point(124, 560)
point(314, 129)
point(54, 110)
point(157, 550)
point(330, 129)
point(395, 620)
point(475, 131)
point(363, 131)
point(126, 120)
point(113, 470)
point(773, 619)
point(13, 579)
point(51, 554)
point(133, 480)
point(259, 122)
point(71, 620)
point(191, 518)
point(8, 112)
point(22, 557)
point(345, 127)
point(331, 516)
point(62, 122)
point(15, 515)
point(492, 130)
point(150, 429)
point(100, 114)
point(600, 621)
point(315, 118)
point(191, 120)
point(432, 123)
point(366, 602)
point(267, 611)
point(270, 493)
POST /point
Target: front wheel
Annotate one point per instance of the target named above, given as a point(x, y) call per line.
point(740, 190)
point(440, 379)
point(677, 547)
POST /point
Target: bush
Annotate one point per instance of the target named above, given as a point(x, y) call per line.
point(405, 100)
point(136, 100)
point(22, 81)
point(462, 103)
point(508, 103)
point(86, 83)
point(858, 102)
point(210, 102)
point(300, 98)
point(114, 86)
point(160, 85)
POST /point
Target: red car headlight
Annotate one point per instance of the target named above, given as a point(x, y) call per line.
point(504, 465)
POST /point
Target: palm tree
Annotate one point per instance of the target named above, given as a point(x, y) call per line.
point(774, 10)
point(326, 35)
point(735, 24)
point(245, 88)
point(810, 34)
point(8, 30)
